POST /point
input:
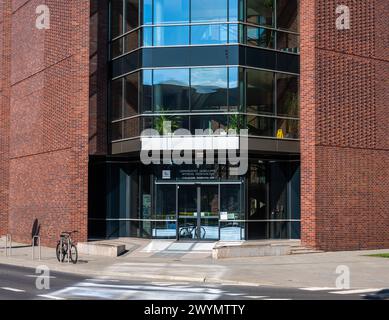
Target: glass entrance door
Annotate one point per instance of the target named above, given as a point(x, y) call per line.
point(198, 212)
point(209, 212)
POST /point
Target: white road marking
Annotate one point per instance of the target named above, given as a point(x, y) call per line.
point(256, 297)
point(356, 291)
point(169, 283)
point(37, 275)
point(319, 288)
point(235, 294)
point(102, 280)
point(13, 289)
point(50, 297)
point(276, 299)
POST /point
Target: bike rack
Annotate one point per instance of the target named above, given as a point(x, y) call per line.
point(39, 247)
point(8, 245)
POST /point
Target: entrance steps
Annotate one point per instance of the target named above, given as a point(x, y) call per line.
point(244, 249)
point(303, 250)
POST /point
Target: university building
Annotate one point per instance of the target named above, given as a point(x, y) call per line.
point(309, 100)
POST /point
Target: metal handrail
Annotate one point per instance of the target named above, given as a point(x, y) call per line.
point(39, 247)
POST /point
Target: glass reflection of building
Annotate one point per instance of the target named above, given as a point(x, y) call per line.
point(202, 64)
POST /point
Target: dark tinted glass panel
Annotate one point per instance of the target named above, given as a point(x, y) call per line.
point(147, 11)
point(117, 48)
point(117, 131)
point(209, 34)
point(257, 192)
point(290, 128)
point(259, 126)
point(147, 36)
point(233, 7)
point(260, 91)
point(116, 18)
point(260, 37)
point(278, 190)
point(260, 12)
point(295, 195)
point(230, 201)
point(287, 42)
point(287, 14)
point(166, 202)
point(146, 90)
point(287, 95)
point(210, 122)
point(171, 36)
point(132, 14)
point(117, 99)
point(205, 10)
point(131, 128)
point(131, 83)
point(209, 88)
point(171, 11)
point(146, 123)
point(131, 41)
point(171, 89)
point(236, 87)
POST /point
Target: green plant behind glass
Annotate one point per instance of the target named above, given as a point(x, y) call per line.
point(236, 122)
point(159, 123)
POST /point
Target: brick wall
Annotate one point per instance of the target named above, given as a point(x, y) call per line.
point(98, 77)
point(48, 120)
point(5, 40)
point(345, 148)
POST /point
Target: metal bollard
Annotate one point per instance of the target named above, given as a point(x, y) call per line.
point(39, 247)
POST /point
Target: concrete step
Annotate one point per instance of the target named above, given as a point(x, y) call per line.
point(303, 250)
point(223, 250)
point(101, 248)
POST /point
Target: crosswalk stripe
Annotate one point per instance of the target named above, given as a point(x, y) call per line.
point(356, 291)
point(50, 297)
point(13, 289)
point(319, 289)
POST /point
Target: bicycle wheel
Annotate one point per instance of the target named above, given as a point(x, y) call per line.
point(73, 254)
point(58, 252)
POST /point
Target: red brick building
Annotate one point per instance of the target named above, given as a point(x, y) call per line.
point(55, 123)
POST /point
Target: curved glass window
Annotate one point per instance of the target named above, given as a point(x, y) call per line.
point(209, 88)
point(207, 11)
point(287, 15)
point(260, 12)
point(171, 36)
point(171, 89)
point(260, 91)
point(171, 11)
point(209, 34)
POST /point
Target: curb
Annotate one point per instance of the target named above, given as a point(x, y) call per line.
point(103, 274)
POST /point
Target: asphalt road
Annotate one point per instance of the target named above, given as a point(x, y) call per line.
point(17, 283)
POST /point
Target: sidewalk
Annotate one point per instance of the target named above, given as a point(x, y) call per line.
point(306, 270)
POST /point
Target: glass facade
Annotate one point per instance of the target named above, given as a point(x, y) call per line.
point(141, 202)
point(202, 202)
point(264, 102)
point(271, 24)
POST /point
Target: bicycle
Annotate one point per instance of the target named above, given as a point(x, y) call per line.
point(63, 251)
point(189, 230)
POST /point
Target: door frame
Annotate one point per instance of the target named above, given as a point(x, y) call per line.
point(198, 185)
